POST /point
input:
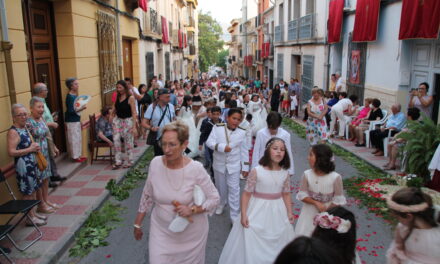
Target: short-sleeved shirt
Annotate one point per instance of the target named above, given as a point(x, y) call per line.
point(374, 115)
point(342, 104)
point(155, 116)
point(104, 126)
point(47, 116)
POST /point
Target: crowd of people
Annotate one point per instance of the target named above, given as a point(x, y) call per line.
point(234, 125)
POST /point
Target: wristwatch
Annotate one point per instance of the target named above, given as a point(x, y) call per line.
point(137, 226)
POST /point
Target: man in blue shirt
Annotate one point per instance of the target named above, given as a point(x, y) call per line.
point(394, 124)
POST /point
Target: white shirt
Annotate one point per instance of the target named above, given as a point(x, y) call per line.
point(263, 136)
point(340, 85)
point(136, 91)
point(161, 84)
point(342, 105)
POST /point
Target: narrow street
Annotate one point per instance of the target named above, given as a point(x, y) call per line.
point(373, 234)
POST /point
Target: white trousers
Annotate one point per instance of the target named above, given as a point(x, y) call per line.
point(74, 140)
point(228, 186)
point(339, 114)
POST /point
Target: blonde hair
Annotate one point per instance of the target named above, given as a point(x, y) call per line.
point(369, 100)
point(316, 90)
point(180, 128)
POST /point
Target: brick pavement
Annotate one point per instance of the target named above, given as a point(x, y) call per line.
point(80, 195)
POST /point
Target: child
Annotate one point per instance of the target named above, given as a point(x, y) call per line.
point(417, 237)
point(205, 129)
point(230, 159)
point(321, 188)
point(293, 104)
point(266, 211)
point(337, 228)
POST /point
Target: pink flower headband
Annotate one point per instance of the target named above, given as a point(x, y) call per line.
point(328, 221)
point(406, 208)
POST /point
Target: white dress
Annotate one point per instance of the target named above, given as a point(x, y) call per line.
point(326, 189)
point(187, 117)
point(269, 228)
point(259, 115)
point(421, 247)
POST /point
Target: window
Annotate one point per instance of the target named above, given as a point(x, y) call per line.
point(296, 9)
point(167, 66)
point(108, 68)
point(149, 58)
point(289, 10)
point(281, 14)
point(310, 7)
point(280, 67)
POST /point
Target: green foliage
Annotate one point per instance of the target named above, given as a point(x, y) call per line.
point(422, 140)
point(221, 58)
point(96, 229)
point(298, 129)
point(210, 43)
point(415, 182)
point(132, 178)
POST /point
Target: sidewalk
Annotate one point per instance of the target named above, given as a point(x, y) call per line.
point(79, 196)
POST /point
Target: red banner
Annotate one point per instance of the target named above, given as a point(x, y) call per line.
point(419, 19)
point(335, 18)
point(185, 40)
point(366, 20)
point(165, 38)
point(143, 4)
point(355, 66)
point(263, 54)
point(179, 35)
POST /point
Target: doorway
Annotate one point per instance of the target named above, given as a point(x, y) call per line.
point(436, 94)
point(42, 57)
point(127, 58)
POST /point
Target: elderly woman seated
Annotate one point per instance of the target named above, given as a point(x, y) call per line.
point(104, 130)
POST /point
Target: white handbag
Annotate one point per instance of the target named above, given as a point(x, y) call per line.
point(198, 195)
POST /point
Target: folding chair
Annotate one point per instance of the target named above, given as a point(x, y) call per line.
point(16, 208)
point(94, 144)
point(4, 231)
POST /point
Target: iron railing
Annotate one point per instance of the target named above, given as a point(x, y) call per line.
point(152, 22)
point(306, 27)
point(279, 33)
point(292, 30)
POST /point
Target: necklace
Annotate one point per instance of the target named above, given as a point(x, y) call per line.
point(183, 176)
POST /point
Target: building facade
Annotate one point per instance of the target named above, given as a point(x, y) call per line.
point(234, 67)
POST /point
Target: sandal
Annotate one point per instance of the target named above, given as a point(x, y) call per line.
point(116, 167)
point(46, 210)
point(36, 221)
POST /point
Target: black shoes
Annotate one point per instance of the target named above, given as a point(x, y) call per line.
point(52, 185)
point(360, 145)
point(57, 179)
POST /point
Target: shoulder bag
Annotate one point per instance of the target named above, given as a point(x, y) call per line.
point(152, 135)
point(39, 157)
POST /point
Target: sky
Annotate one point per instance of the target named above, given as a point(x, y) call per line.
point(223, 11)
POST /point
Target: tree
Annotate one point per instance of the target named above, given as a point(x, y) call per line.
point(209, 40)
point(221, 58)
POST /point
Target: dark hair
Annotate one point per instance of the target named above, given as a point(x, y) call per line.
point(426, 85)
point(249, 117)
point(127, 79)
point(307, 250)
point(124, 84)
point(234, 111)
point(353, 98)
point(232, 104)
point(335, 94)
point(343, 243)
point(413, 196)
point(142, 85)
point(273, 120)
point(228, 103)
point(186, 99)
point(253, 96)
point(216, 109)
point(414, 113)
point(193, 89)
point(69, 82)
point(343, 94)
point(105, 110)
point(323, 154)
point(376, 103)
point(267, 161)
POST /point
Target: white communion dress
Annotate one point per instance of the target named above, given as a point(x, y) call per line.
point(187, 117)
point(259, 115)
point(269, 228)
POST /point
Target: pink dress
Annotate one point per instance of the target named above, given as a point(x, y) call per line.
point(164, 186)
point(362, 114)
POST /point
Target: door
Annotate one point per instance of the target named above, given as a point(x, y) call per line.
point(307, 77)
point(271, 79)
point(356, 68)
point(436, 94)
point(40, 44)
point(127, 58)
point(149, 58)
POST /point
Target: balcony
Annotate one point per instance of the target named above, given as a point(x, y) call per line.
point(192, 49)
point(292, 30)
point(152, 24)
point(175, 38)
point(234, 38)
point(279, 33)
point(306, 27)
point(191, 22)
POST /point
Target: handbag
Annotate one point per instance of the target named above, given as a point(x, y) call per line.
point(39, 157)
point(152, 135)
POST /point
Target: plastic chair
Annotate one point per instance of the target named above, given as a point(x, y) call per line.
point(17, 208)
point(348, 120)
point(373, 125)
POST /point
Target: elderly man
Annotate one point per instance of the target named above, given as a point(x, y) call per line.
point(339, 86)
point(157, 116)
point(40, 90)
point(394, 124)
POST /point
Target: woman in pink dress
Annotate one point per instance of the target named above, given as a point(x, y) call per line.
point(169, 192)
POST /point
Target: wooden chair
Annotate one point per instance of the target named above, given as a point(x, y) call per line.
point(94, 144)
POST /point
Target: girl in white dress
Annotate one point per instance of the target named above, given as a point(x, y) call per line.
point(259, 114)
point(417, 236)
point(265, 227)
point(320, 189)
point(337, 228)
point(186, 115)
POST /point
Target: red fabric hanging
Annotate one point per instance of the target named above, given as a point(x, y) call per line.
point(366, 20)
point(164, 30)
point(179, 35)
point(335, 18)
point(267, 49)
point(143, 4)
point(419, 19)
point(263, 53)
point(185, 40)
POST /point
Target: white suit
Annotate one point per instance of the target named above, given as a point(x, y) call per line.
point(228, 165)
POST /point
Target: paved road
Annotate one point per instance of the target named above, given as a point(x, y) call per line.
point(373, 234)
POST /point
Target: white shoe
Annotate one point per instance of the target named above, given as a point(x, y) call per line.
point(219, 209)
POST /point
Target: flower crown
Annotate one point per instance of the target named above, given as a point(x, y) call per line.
point(415, 208)
point(328, 221)
point(273, 140)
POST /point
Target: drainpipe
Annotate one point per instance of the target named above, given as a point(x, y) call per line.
point(326, 81)
point(6, 47)
point(118, 43)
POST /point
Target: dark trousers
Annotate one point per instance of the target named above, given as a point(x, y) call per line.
point(157, 149)
point(377, 136)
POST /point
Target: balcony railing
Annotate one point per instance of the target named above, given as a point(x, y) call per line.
point(175, 38)
point(292, 30)
point(192, 50)
point(258, 56)
point(152, 23)
point(234, 38)
point(306, 27)
point(279, 33)
point(191, 22)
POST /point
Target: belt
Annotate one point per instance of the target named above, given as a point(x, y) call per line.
point(267, 196)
